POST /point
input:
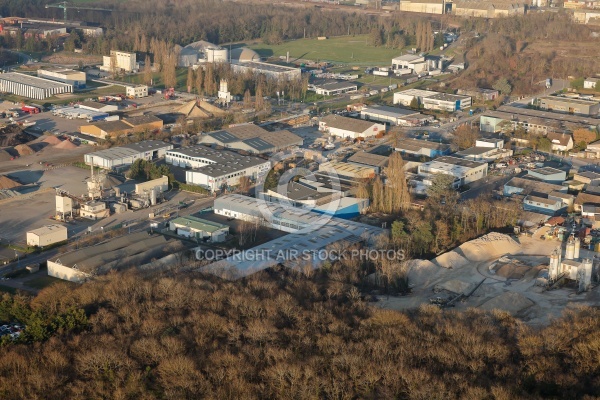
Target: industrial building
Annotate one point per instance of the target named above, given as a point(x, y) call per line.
point(484, 154)
point(133, 250)
point(333, 88)
point(272, 71)
point(526, 186)
point(395, 116)
point(215, 169)
point(480, 94)
point(572, 267)
point(544, 204)
point(533, 121)
point(311, 233)
point(127, 154)
point(418, 147)
point(47, 235)
point(98, 107)
point(124, 61)
point(252, 138)
point(31, 86)
point(72, 77)
point(347, 171)
point(570, 105)
point(199, 229)
point(432, 100)
point(548, 174)
point(345, 127)
point(409, 64)
point(464, 171)
point(137, 91)
point(485, 9)
point(201, 52)
point(108, 129)
point(372, 158)
point(424, 6)
point(590, 83)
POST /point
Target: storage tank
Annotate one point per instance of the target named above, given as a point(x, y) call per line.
point(570, 252)
point(587, 266)
point(577, 248)
point(153, 196)
point(216, 54)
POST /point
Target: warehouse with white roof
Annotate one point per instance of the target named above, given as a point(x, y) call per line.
point(464, 171)
point(127, 154)
point(31, 86)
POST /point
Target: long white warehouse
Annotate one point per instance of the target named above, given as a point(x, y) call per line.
point(127, 154)
point(31, 86)
point(214, 169)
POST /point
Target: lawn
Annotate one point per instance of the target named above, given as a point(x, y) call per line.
point(181, 74)
point(351, 50)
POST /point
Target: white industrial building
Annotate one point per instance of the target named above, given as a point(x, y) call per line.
point(418, 147)
point(431, 100)
point(47, 235)
point(252, 138)
point(214, 169)
point(200, 229)
point(137, 91)
point(31, 86)
point(485, 154)
point(394, 115)
point(590, 83)
point(72, 77)
point(333, 88)
point(464, 171)
point(127, 154)
point(124, 61)
point(272, 71)
point(345, 127)
point(98, 107)
point(411, 63)
point(548, 174)
point(287, 219)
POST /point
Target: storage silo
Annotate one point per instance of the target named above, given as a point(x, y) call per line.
point(577, 248)
point(216, 54)
point(554, 264)
point(570, 251)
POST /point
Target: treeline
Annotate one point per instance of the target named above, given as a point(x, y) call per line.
point(515, 50)
point(283, 335)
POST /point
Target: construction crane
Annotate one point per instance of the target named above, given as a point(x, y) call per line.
point(64, 5)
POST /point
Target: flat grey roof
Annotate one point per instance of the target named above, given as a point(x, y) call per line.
point(33, 81)
point(225, 161)
point(267, 67)
point(388, 111)
point(418, 144)
point(457, 161)
point(547, 171)
point(447, 97)
point(337, 85)
point(475, 151)
point(559, 99)
point(132, 149)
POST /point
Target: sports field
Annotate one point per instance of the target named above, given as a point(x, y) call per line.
point(351, 50)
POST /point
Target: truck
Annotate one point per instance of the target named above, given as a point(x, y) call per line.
point(169, 93)
point(548, 83)
point(30, 109)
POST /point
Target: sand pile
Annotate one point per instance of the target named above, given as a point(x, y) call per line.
point(4, 155)
point(456, 286)
point(489, 246)
point(24, 150)
point(451, 259)
point(67, 145)
point(7, 183)
point(52, 140)
point(511, 302)
point(421, 271)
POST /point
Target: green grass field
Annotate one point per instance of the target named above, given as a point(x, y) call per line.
point(351, 50)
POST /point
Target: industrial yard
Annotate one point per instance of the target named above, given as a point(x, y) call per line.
point(496, 271)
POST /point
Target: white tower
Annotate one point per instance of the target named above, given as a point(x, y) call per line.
point(224, 95)
point(570, 252)
point(553, 270)
point(577, 248)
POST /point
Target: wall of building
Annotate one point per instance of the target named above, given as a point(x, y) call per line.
point(428, 8)
point(58, 235)
point(66, 273)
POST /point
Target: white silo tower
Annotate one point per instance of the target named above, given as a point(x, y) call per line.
point(577, 248)
point(554, 266)
point(570, 252)
point(584, 275)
